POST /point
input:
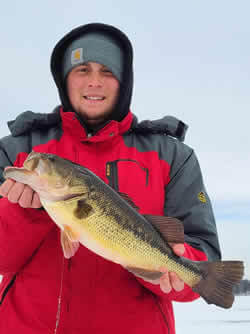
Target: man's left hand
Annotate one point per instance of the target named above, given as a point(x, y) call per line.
point(170, 280)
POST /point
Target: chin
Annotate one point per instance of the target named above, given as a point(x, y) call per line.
point(94, 122)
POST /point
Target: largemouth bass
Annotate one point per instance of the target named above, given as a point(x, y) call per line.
point(90, 212)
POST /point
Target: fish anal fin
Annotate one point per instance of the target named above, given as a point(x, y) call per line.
point(145, 273)
point(69, 247)
point(170, 228)
point(129, 200)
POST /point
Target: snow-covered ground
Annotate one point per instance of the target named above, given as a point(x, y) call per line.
point(198, 317)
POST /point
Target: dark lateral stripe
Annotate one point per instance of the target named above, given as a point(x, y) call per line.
point(186, 263)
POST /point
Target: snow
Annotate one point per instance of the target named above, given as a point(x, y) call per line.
point(198, 317)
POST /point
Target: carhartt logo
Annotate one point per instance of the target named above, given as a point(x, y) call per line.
point(76, 56)
point(202, 197)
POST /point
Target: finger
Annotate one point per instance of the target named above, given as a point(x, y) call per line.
point(6, 186)
point(15, 192)
point(25, 199)
point(179, 249)
point(36, 203)
point(165, 283)
point(176, 282)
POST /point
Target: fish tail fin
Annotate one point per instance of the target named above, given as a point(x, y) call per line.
point(218, 280)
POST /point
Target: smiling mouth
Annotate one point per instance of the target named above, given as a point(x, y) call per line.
point(94, 98)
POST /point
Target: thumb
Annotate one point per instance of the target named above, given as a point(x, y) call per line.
point(179, 249)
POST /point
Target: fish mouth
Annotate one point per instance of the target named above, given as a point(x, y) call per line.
point(13, 173)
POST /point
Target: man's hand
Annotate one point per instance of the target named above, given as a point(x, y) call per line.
point(170, 280)
point(20, 193)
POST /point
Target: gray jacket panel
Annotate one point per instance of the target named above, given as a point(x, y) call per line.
point(186, 197)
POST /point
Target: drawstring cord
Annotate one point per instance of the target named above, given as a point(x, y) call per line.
point(58, 314)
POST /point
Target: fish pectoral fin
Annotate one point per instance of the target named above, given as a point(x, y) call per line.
point(145, 273)
point(170, 228)
point(71, 235)
point(69, 247)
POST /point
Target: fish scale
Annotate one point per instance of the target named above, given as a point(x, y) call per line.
point(123, 237)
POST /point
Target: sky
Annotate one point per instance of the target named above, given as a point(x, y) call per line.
point(191, 61)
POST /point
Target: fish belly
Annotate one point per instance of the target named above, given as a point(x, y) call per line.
point(104, 236)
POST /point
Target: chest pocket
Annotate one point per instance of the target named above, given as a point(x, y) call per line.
point(134, 179)
point(125, 172)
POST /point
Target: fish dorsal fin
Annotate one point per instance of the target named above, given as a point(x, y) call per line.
point(129, 200)
point(170, 228)
point(69, 247)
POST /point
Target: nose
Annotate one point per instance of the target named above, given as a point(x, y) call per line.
point(95, 80)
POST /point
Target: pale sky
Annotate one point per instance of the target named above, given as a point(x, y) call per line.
point(191, 61)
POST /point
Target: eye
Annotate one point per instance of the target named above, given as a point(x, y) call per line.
point(107, 71)
point(83, 69)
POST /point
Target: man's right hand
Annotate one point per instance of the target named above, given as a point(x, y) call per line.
point(20, 193)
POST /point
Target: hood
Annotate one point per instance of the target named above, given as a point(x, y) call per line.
point(122, 107)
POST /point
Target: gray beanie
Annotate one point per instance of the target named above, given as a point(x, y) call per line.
point(95, 47)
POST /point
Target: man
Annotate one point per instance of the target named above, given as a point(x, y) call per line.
point(41, 291)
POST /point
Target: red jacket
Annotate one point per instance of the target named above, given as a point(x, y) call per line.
point(42, 292)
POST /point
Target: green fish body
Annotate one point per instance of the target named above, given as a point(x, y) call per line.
point(89, 212)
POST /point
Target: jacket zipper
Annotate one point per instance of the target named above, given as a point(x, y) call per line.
point(112, 174)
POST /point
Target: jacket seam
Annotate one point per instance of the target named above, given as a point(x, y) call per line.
point(7, 288)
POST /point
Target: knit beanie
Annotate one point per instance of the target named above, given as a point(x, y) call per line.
point(94, 47)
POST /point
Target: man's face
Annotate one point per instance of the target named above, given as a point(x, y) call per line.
point(93, 92)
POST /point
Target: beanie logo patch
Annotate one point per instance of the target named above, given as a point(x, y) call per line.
point(76, 56)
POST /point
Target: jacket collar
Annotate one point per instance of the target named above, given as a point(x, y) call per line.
point(72, 125)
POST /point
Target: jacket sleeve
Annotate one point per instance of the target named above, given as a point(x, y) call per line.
point(21, 230)
point(186, 199)
point(21, 233)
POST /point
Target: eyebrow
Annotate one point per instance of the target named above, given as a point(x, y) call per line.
point(87, 63)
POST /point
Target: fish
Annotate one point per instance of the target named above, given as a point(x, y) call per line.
point(91, 213)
